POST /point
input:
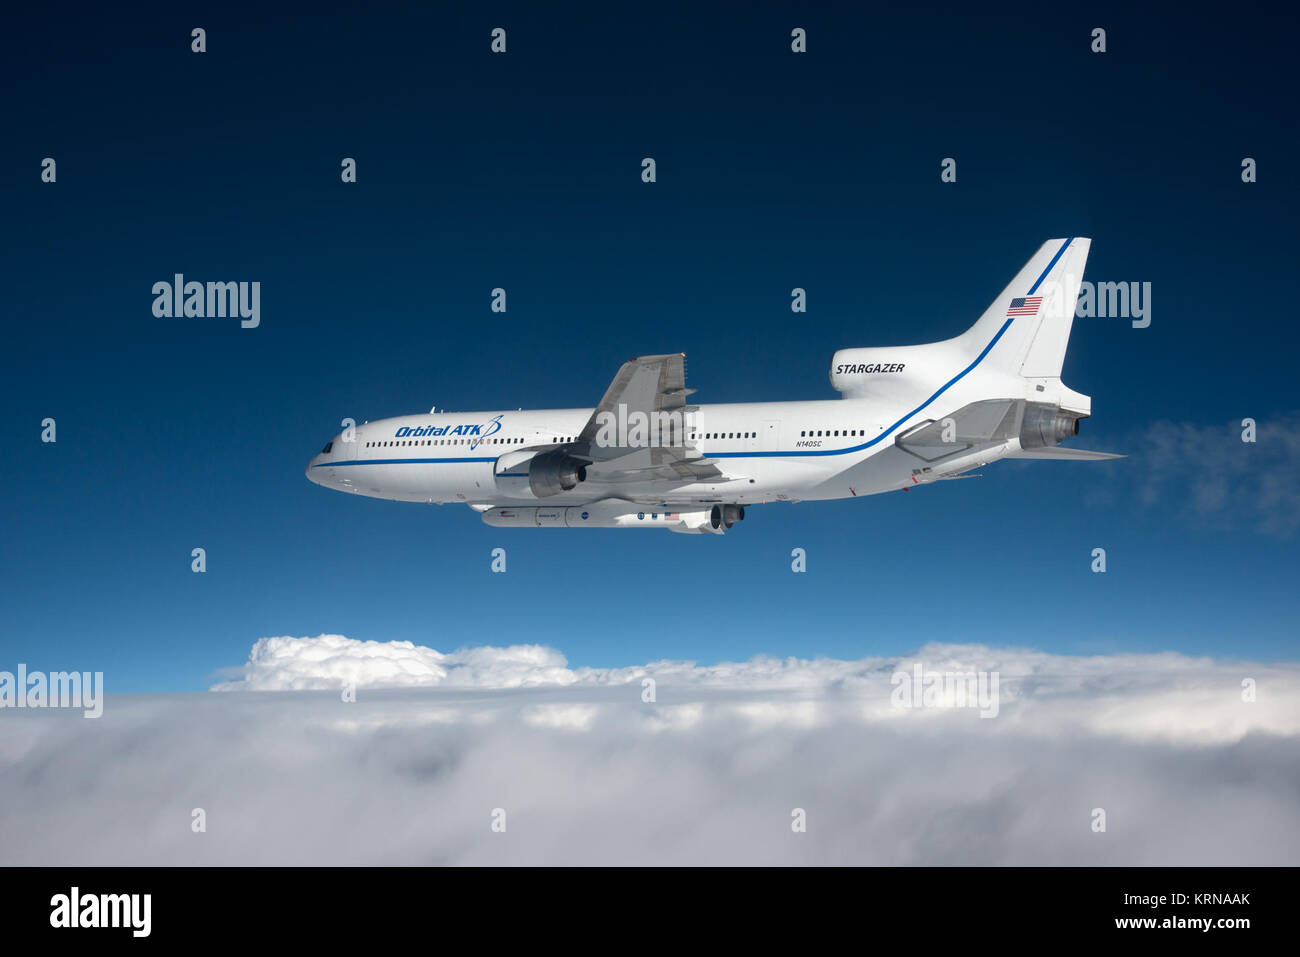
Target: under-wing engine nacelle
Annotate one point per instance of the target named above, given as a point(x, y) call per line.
point(724, 516)
point(551, 473)
point(1046, 425)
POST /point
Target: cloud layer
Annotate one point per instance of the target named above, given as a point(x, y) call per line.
point(708, 773)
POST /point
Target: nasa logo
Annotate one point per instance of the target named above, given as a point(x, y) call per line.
point(584, 516)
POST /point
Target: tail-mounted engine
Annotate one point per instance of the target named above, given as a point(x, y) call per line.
point(1046, 425)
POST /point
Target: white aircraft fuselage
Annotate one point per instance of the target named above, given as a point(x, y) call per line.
point(909, 415)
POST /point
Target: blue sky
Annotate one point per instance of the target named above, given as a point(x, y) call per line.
point(522, 171)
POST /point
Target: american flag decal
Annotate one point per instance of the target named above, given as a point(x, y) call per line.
point(1028, 306)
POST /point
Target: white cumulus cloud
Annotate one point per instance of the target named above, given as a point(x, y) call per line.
point(330, 661)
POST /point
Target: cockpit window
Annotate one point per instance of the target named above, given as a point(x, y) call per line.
point(328, 445)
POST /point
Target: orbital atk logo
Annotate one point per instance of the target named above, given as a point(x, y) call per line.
point(477, 432)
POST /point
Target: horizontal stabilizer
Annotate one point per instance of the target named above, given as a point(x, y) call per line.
point(1064, 454)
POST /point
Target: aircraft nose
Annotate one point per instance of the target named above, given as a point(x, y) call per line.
point(311, 466)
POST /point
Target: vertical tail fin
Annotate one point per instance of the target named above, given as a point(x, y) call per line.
point(1027, 328)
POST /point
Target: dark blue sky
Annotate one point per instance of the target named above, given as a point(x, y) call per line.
point(775, 170)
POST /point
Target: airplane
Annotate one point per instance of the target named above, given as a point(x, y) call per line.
point(645, 458)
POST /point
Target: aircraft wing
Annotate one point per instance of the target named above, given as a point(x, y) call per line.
point(640, 428)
